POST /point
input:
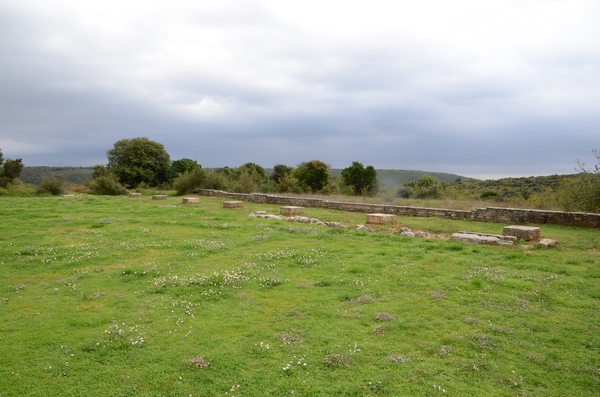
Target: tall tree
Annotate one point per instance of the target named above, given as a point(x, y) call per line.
point(182, 165)
point(280, 171)
point(362, 180)
point(139, 160)
point(313, 174)
point(12, 168)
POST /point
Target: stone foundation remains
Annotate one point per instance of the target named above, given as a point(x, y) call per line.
point(523, 232)
point(233, 204)
point(186, 200)
point(159, 197)
point(381, 218)
point(489, 214)
point(291, 210)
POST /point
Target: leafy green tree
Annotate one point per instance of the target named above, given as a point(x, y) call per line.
point(362, 180)
point(12, 168)
point(313, 174)
point(1, 157)
point(99, 170)
point(280, 171)
point(139, 160)
point(182, 165)
point(257, 172)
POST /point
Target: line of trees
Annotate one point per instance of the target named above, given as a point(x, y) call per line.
point(140, 162)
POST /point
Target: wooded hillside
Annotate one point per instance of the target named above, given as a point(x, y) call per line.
point(74, 175)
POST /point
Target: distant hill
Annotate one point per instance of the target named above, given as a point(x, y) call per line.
point(391, 178)
point(515, 187)
point(74, 175)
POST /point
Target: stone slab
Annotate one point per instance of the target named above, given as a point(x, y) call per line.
point(186, 200)
point(506, 238)
point(547, 242)
point(381, 218)
point(159, 197)
point(291, 210)
point(526, 233)
point(67, 195)
point(480, 239)
point(135, 194)
point(233, 204)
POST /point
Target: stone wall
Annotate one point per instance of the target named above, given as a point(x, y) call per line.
point(489, 214)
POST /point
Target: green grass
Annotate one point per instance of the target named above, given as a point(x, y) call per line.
point(115, 296)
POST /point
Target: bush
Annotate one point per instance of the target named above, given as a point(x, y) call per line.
point(582, 193)
point(189, 181)
point(404, 192)
point(108, 185)
point(488, 194)
point(53, 184)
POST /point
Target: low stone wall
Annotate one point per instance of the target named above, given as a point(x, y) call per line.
point(489, 214)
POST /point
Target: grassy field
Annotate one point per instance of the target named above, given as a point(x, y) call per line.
point(133, 297)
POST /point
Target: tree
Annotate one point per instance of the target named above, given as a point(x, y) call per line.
point(182, 165)
point(362, 180)
point(9, 170)
point(139, 160)
point(280, 171)
point(256, 171)
point(425, 187)
point(313, 174)
point(12, 168)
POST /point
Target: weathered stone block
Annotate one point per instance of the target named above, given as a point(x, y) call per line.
point(135, 194)
point(477, 238)
point(186, 200)
point(381, 218)
point(547, 242)
point(233, 204)
point(67, 195)
point(159, 197)
point(291, 210)
point(526, 233)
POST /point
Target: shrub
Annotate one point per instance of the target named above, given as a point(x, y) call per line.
point(53, 184)
point(582, 193)
point(189, 181)
point(488, 194)
point(107, 185)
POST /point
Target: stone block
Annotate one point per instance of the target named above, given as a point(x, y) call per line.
point(291, 210)
point(186, 200)
point(135, 194)
point(381, 218)
point(233, 204)
point(159, 197)
point(526, 233)
point(477, 238)
point(547, 242)
point(67, 195)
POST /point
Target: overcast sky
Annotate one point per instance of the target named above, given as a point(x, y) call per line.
point(478, 88)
